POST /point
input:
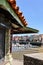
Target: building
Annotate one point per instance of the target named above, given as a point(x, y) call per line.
point(11, 22)
point(37, 38)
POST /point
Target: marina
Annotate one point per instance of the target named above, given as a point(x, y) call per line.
point(22, 47)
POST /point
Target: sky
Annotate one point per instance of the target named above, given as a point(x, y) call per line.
point(33, 13)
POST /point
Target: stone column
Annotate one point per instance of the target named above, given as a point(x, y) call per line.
point(8, 56)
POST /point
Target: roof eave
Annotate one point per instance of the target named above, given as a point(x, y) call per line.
point(24, 30)
point(6, 6)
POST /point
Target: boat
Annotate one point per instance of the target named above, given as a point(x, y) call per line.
point(36, 43)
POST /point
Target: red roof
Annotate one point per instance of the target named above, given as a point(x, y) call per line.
point(17, 11)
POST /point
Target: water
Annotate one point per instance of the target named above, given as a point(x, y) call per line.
point(18, 48)
point(22, 47)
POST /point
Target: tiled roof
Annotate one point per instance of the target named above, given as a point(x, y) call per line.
point(17, 11)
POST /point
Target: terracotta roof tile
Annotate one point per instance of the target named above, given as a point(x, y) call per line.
point(12, 1)
point(18, 12)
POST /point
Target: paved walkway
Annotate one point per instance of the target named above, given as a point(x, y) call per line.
point(17, 62)
point(14, 62)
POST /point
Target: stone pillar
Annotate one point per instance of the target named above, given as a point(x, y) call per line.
point(8, 56)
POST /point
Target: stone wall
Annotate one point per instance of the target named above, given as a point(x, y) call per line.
point(32, 61)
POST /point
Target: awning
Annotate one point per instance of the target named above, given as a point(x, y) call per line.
point(24, 30)
point(18, 27)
